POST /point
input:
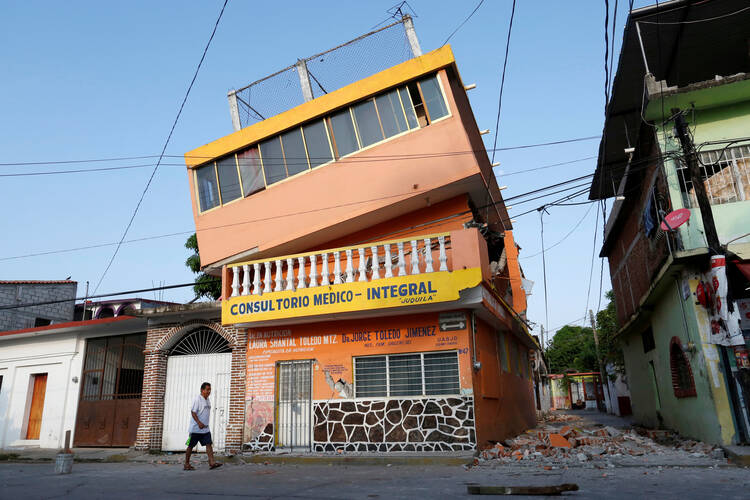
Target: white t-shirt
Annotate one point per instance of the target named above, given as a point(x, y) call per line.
point(202, 408)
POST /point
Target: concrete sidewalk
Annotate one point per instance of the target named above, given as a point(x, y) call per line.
point(115, 455)
point(109, 455)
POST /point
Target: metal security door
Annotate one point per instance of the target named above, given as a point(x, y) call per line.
point(220, 399)
point(185, 374)
point(294, 404)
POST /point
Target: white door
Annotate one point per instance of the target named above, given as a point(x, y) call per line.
point(185, 374)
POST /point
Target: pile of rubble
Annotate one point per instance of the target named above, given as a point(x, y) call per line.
point(576, 442)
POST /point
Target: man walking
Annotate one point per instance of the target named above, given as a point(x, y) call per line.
point(200, 413)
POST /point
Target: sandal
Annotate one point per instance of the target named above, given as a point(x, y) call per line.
point(216, 465)
point(188, 467)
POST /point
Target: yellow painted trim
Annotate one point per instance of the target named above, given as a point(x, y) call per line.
point(416, 289)
point(367, 87)
point(419, 239)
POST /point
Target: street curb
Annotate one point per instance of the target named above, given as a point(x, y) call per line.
point(359, 460)
point(741, 459)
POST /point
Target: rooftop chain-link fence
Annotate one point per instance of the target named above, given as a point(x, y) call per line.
point(328, 71)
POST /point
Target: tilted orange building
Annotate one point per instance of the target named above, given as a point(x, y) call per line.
point(364, 248)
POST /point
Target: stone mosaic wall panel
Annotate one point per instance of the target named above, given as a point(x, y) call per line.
point(262, 442)
point(429, 424)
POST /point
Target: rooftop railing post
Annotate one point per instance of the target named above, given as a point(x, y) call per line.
point(304, 80)
point(234, 110)
point(411, 35)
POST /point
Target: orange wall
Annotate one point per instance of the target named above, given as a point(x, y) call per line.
point(326, 344)
point(339, 198)
point(494, 212)
point(503, 401)
point(402, 226)
point(514, 273)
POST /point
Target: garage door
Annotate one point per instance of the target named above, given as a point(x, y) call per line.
point(185, 374)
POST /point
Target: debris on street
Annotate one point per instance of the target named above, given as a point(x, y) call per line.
point(475, 489)
point(563, 439)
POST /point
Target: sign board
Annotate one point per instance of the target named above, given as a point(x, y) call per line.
point(452, 321)
point(675, 219)
point(399, 291)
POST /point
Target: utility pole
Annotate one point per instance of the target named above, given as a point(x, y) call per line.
point(541, 336)
point(691, 159)
point(602, 371)
point(85, 299)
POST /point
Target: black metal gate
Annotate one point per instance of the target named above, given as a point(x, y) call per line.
point(294, 404)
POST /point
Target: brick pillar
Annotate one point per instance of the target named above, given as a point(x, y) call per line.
point(236, 425)
point(151, 424)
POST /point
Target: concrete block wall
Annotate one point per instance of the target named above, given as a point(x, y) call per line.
point(158, 339)
point(21, 293)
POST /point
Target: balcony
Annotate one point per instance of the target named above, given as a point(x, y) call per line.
point(417, 271)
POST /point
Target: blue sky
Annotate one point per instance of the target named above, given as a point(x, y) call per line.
point(104, 79)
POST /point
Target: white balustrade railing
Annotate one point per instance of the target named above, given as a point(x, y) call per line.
point(313, 269)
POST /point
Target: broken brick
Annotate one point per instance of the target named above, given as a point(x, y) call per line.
point(557, 441)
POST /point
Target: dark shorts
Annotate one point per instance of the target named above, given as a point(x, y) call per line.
point(203, 438)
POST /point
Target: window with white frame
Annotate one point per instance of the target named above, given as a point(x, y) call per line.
point(418, 374)
point(725, 173)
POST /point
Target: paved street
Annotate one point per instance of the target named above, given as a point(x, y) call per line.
point(129, 480)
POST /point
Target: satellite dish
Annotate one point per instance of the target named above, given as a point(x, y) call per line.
point(675, 219)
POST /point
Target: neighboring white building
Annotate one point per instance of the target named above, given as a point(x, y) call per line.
point(45, 388)
point(619, 392)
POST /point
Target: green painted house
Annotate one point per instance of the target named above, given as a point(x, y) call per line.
point(681, 61)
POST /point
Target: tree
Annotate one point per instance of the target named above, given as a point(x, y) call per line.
point(572, 348)
point(206, 286)
point(607, 326)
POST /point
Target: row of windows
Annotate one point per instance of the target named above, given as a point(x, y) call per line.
point(422, 374)
point(412, 106)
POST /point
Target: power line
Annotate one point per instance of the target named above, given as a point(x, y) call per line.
point(293, 214)
point(696, 21)
point(567, 324)
point(464, 22)
point(502, 79)
point(361, 157)
point(167, 287)
point(601, 260)
point(100, 245)
point(517, 172)
point(77, 171)
point(591, 268)
point(544, 270)
point(567, 235)
point(95, 160)
point(164, 148)
point(342, 161)
point(101, 295)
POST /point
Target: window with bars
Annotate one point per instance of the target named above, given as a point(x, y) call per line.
point(683, 383)
point(315, 143)
point(394, 375)
point(725, 173)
